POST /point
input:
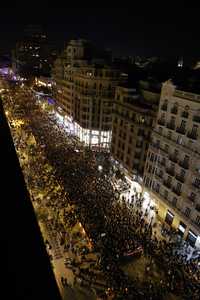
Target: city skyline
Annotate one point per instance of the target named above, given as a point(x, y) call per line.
point(147, 31)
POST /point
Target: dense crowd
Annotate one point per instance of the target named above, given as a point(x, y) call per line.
point(113, 225)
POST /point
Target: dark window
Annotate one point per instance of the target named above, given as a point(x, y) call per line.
point(187, 211)
point(169, 218)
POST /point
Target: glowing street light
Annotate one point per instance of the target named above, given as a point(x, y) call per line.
point(100, 168)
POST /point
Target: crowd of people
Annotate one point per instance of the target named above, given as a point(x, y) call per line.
point(113, 225)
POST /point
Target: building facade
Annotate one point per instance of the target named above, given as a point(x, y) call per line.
point(84, 93)
point(133, 120)
point(172, 170)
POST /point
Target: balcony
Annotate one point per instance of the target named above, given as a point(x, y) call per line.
point(176, 191)
point(192, 135)
point(170, 125)
point(185, 114)
point(173, 158)
point(161, 122)
point(184, 164)
point(167, 184)
point(164, 107)
point(174, 110)
point(180, 178)
point(196, 119)
point(159, 177)
point(196, 185)
point(192, 199)
point(170, 171)
point(181, 130)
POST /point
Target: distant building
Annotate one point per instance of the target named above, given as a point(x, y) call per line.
point(172, 170)
point(85, 88)
point(180, 62)
point(134, 114)
point(32, 55)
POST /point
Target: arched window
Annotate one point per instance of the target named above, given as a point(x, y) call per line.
point(174, 109)
point(185, 113)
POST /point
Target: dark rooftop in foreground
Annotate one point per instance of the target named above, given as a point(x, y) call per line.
point(25, 266)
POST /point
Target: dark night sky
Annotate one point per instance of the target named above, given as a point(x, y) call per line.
point(165, 29)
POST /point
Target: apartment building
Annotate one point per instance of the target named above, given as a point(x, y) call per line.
point(172, 170)
point(133, 120)
point(85, 89)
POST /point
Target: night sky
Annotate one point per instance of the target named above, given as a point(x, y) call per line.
point(167, 29)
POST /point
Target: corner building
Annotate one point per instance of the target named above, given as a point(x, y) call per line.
point(172, 170)
point(85, 88)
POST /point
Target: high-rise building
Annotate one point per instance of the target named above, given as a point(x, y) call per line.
point(32, 55)
point(134, 114)
point(85, 88)
point(172, 170)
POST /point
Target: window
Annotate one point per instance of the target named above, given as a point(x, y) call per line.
point(197, 221)
point(179, 186)
point(169, 135)
point(183, 173)
point(179, 140)
point(183, 124)
point(160, 129)
point(163, 116)
point(194, 129)
point(173, 119)
point(192, 196)
point(187, 211)
point(166, 147)
point(165, 194)
point(175, 153)
point(197, 182)
point(169, 218)
point(169, 179)
point(186, 158)
point(174, 201)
